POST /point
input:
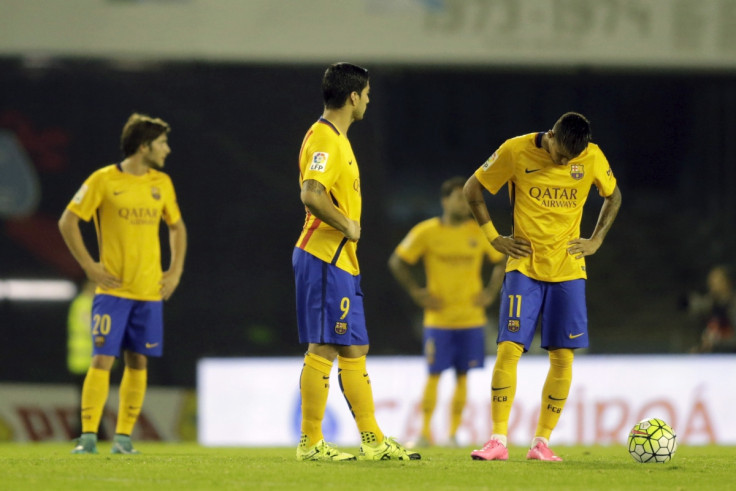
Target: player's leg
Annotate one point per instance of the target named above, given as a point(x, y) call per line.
point(132, 393)
point(143, 339)
point(314, 386)
point(313, 289)
point(521, 299)
point(554, 394)
point(564, 327)
point(438, 352)
point(459, 399)
point(355, 384)
point(109, 320)
point(468, 346)
point(429, 403)
point(94, 396)
point(350, 328)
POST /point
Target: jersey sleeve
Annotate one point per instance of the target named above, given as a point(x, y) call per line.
point(171, 212)
point(88, 198)
point(322, 161)
point(414, 245)
point(603, 175)
point(497, 170)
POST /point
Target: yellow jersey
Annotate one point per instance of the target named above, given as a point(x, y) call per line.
point(453, 261)
point(327, 157)
point(547, 201)
point(127, 212)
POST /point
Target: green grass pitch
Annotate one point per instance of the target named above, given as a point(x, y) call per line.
point(187, 466)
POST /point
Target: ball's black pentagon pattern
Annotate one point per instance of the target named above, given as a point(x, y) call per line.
point(652, 440)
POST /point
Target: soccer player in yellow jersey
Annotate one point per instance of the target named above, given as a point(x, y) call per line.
point(127, 201)
point(454, 251)
point(328, 296)
point(549, 176)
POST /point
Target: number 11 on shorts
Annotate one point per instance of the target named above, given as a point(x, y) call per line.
point(518, 305)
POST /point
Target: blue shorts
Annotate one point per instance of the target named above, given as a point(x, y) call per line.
point(462, 349)
point(561, 307)
point(125, 324)
point(329, 302)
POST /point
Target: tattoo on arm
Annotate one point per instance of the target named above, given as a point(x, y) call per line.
point(313, 186)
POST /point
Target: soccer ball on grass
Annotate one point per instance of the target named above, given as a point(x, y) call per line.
point(652, 440)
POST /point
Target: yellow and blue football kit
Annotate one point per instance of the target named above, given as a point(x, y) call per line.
point(127, 211)
point(547, 202)
point(453, 258)
point(327, 274)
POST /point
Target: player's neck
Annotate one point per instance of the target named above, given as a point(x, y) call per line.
point(451, 220)
point(341, 118)
point(545, 141)
point(134, 165)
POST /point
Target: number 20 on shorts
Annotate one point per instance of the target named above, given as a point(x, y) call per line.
point(101, 324)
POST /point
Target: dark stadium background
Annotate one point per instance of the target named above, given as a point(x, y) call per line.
point(236, 133)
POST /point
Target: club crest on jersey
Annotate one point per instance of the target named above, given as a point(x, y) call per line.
point(319, 161)
point(341, 327)
point(514, 325)
point(576, 171)
point(490, 161)
point(156, 193)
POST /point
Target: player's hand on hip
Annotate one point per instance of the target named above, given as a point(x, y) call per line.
point(353, 230)
point(583, 247)
point(101, 277)
point(169, 282)
point(515, 247)
point(484, 298)
point(423, 298)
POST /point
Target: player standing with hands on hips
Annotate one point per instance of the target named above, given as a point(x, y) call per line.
point(549, 176)
point(127, 201)
point(453, 251)
point(329, 300)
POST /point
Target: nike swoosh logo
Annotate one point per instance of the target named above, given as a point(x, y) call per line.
point(529, 171)
point(115, 193)
point(500, 388)
point(151, 345)
point(325, 377)
point(573, 336)
point(556, 399)
point(350, 163)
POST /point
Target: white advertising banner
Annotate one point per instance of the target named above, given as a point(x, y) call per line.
point(256, 402)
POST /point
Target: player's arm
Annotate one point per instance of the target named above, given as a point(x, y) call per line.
point(403, 274)
point(586, 247)
point(178, 248)
point(95, 271)
point(318, 202)
point(490, 292)
point(515, 247)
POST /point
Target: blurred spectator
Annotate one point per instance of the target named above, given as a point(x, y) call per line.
point(716, 309)
point(79, 343)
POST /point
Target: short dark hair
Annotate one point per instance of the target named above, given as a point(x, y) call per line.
point(451, 185)
point(339, 81)
point(572, 131)
point(140, 130)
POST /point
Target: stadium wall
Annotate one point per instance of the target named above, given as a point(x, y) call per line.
point(236, 133)
point(652, 33)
